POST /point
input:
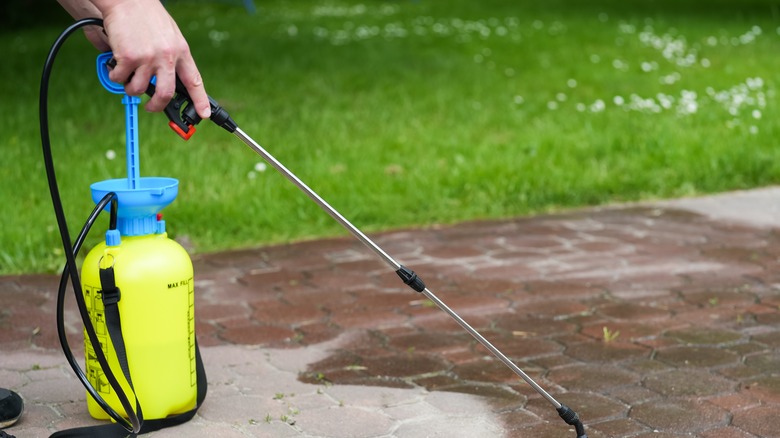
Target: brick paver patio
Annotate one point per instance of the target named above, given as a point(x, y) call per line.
point(649, 321)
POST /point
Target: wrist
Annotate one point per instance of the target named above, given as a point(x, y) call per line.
point(106, 7)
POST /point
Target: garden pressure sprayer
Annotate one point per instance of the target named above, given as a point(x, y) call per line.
point(183, 118)
point(135, 293)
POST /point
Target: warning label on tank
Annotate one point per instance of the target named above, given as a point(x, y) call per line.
point(94, 302)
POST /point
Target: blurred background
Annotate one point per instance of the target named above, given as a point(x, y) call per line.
point(402, 113)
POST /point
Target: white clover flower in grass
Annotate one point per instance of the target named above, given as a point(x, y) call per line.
point(754, 83)
point(670, 78)
point(665, 101)
point(251, 174)
point(761, 100)
point(756, 114)
point(747, 95)
point(639, 103)
point(571, 83)
point(557, 28)
point(365, 32)
point(320, 32)
point(581, 107)
point(620, 65)
point(519, 99)
point(598, 106)
point(595, 58)
point(441, 29)
point(753, 129)
point(110, 154)
point(561, 97)
point(260, 167)
point(618, 100)
point(218, 37)
point(394, 30)
point(388, 9)
point(552, 105)
point(712, 41)
point(688, 103)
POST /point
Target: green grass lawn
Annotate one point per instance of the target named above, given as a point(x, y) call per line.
point(407, 113)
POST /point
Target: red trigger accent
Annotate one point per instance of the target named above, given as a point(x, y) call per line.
point(182, 134)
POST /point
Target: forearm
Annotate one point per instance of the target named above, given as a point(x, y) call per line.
point(96, 8)
point(79, 9)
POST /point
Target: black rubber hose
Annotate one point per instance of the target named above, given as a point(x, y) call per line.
point(71, 270)
point(110, 197)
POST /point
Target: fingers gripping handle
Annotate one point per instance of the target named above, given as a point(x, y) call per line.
point(181, 112)
point(183, 117)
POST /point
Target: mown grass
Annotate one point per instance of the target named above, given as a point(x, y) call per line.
point(407, 113)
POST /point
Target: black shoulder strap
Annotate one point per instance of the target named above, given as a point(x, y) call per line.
point(111, 296)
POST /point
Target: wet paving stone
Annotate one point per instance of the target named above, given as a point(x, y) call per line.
point(607, 352)
point(687, 356)
point(591, 377)
point(405, 366)
point(491, 370)
point(501, 399)
point(764, 362)
point(632, 312)
point(627, 331)
point(679, 416)
point(620, 427)
point(705, 336)
point(687, 382)
point(727, 432)
point(764, 389)
point(761, 421)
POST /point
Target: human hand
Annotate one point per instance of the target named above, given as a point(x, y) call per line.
point(146, 42)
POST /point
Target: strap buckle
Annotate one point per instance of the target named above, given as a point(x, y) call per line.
point(111, 293)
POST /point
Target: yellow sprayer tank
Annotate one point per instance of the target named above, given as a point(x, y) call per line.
point(155, 278)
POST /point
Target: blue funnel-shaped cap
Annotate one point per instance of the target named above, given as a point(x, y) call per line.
point(138, 207)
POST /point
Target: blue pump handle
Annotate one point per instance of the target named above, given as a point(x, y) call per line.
point(131, 120)
point(139, 199)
